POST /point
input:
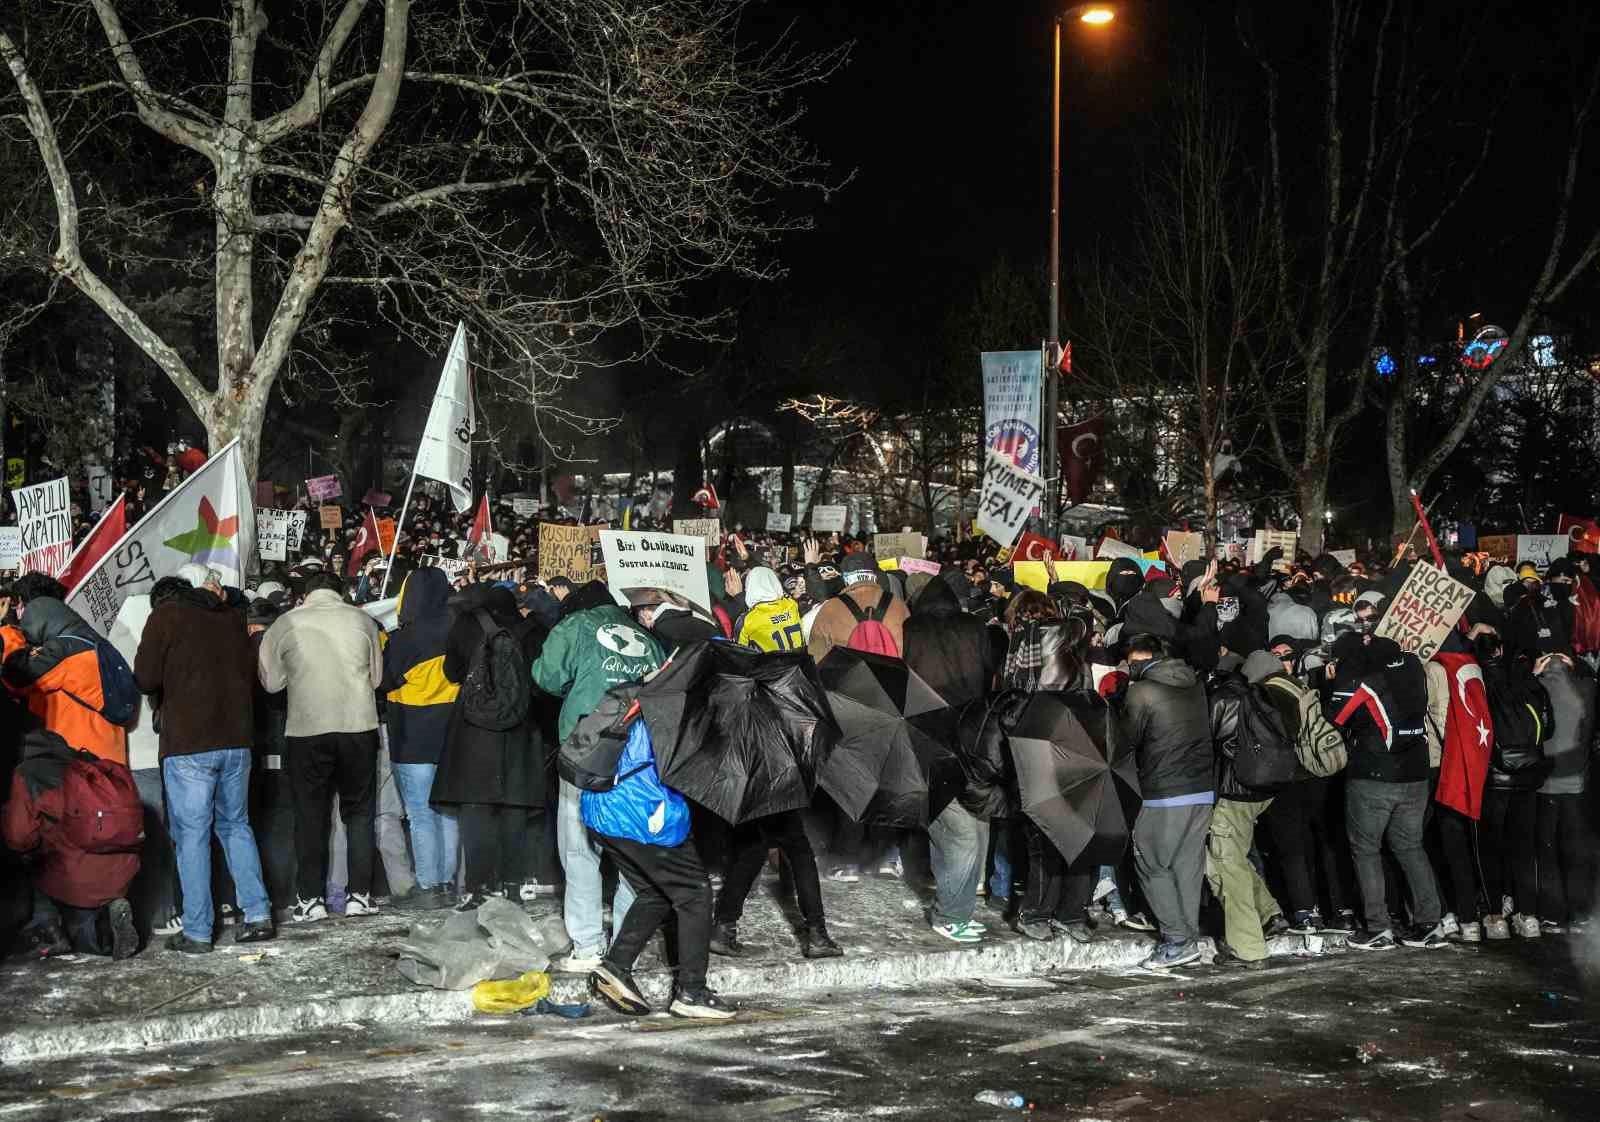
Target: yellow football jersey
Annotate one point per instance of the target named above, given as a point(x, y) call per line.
point(773, 626)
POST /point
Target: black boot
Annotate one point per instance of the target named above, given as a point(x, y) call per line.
point(725, 940)
point(816, 943)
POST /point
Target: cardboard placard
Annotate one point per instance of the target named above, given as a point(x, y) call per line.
point(918, 565)
point(375, 497)
point(1542, 549)
point(1184, 546)
point(386, 536)
point(899, 545)
point(278, 531)
point(44, 517)
point(1500, 547)
point(453, 567)
point(778, 522)
point(567, 551)
point(10, 547)
point(525, 508)
point(1010, 495)
point(1032, 574)
point(332, 517)
point(708, 528)
point(670, 562)
point(324, 487)
point(1345, 557)
point(1424, 610)
point(1265, 541)
point(1113, 547)
point(829, 519)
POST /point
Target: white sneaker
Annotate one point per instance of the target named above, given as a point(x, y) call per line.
point(894, 869)
point(1507, 906)
point(307, 911)
point(845, 874)
point(359, 904)
point(1495, 927)
point(172, 925)
point(229, 915)
point(1525, 926)
point(1448, 927)
point(575, 964)
point(532, 890)
point(1472, 932)
point(1104, 887)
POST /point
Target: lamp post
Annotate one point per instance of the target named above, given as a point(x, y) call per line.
point(1094, 15)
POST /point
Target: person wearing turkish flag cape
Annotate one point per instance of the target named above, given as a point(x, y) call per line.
point(1465, 739)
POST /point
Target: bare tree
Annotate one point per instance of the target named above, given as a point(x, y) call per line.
point(554, 172)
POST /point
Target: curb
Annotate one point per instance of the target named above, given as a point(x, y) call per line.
point(39, 1042)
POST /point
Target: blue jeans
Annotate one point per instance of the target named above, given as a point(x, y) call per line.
point(435, 838)
point(1114, 900)
point(210, 791)
point(957, 843)
point(583, 907)
point(1000, 881)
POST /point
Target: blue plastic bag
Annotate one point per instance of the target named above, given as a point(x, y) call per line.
point(640, 807)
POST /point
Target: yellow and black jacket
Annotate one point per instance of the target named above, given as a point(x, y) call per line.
point(419, 696)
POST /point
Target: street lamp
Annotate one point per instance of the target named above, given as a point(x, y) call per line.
point(1093, 15)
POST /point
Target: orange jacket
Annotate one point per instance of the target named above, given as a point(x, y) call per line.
point(56, 672)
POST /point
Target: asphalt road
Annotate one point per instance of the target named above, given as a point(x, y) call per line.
point(1494, 1034)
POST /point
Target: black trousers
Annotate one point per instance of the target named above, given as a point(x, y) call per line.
point(666, 882)
point(1458, 879)
point(1566, 859)
point(750, 842)
point(1507, 838)
point(319, 766)
point(1054, 890)
point(496, 842)
point(1306, 825)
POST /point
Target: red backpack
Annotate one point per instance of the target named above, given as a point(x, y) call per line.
point(870, 634)
point(102, 813)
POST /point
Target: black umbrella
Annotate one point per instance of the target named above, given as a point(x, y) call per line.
point(740, 732)
point(1078, 784)
point(893, 765)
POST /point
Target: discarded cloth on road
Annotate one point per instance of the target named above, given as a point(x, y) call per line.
point(497, 941)
point(513, 996)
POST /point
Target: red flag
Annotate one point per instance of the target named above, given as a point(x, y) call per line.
point(1584, 533)
point(1064, 364)
point(482, 529)
point(1586, 617)
point(1468, 737)
point(707, 497)
point(366, 541)
point(1080, 447)
point(1032, 547)
point(106, 534)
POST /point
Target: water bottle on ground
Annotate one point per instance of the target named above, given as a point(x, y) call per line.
point(1011, 1100)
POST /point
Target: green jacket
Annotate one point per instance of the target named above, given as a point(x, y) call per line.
point(588, 653)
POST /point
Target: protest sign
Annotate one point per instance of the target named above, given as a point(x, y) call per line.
point(1345, 557)
point(1424, 610)
point(10, 547)
point(44, 516)
point(1012, 382)
point(779, 522)
point(1032, 574)
point(278, 531)
point(899, 545)
point(1542, 549)
point(324, 487)
point(669, 562)
point(332, 517)
point(1031, 547)
point(375, 497)
point(918, 565)
point(453, 567)
point(1265, 541)
point(708, 528)
point(567, 551)
point(386, 536)
point(828, 519)
point(1185, 546)
point(525, 508)
point(1499, 547)
point(1074, 548)
point(1009, 495)
point(1112, 547)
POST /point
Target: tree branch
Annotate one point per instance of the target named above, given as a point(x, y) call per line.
point(445, 190)
point(315, 97)
point(191, 128)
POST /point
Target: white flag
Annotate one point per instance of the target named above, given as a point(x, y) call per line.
point(445, 452)
point(209, 519)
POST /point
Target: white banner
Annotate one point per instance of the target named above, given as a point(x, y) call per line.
point(10, 547)
point(44, 515)
point(778, 522)
point(1011, 381)
point(1009, 496)
point(525, 508)
point(707, 528)
point(670, 562)
point(445, 452)
point(1111, 547)
point(454, 568)
point(278, 531)
point(829, 519)
point(209, 519)
point(1345, 557)
point(1542, 549)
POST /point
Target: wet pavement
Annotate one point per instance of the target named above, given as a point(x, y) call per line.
point(1495, 1033)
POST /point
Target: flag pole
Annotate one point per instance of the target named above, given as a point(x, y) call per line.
point(394, 546)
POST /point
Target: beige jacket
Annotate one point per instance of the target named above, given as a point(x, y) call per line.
point(1438, 709)
point(834, 623)
point(326, 654)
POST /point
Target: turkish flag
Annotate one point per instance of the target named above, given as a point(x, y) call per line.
point(1468, 737)
point(106, 534)
point(482, 529)
point(1584, 533)
point(365, 543)
point(1080, 446)
point(707, 497)
point(1031, 547)
point(1064, 364)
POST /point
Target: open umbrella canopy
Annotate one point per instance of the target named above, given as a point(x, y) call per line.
point(1078, 784)
point(740, 732)
point(893, 765)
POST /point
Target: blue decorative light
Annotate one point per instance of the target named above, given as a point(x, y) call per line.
point(1384, 364)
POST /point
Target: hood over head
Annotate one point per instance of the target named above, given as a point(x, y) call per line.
point(1123, 580)
point(47, 617)
point(1261, 665)
point(938, 598)
point(424, 593)
point(762, 586)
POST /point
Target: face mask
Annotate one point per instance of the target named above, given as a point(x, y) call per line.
point(1560, 593)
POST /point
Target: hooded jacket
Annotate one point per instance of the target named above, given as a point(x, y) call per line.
point(772, 620)
point(197, 659)
point(1380, 699)
point(58, 677)
point(588, 653)
point(1523, 721)
point(418, 694)
point(1289, 616)
point(953, 652)
point(1572, 700)
point(1165, 717)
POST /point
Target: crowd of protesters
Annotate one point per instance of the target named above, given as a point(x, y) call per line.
point(343, 770)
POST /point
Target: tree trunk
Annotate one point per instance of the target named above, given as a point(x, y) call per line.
point(1313, 492)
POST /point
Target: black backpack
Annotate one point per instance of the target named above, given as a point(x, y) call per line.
point(498, 692)
point(119, 693)
point(588, 758)
point(1264, 759)
point(1522, 715)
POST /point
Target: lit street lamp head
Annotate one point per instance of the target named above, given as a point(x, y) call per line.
point(1095, 14)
